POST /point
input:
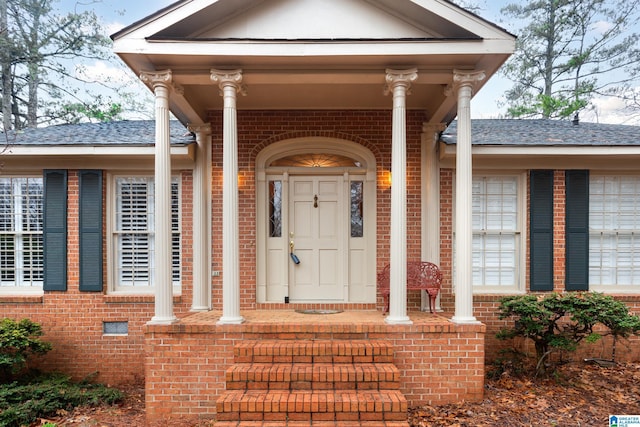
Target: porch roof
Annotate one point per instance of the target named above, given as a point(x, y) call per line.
point(306, 54)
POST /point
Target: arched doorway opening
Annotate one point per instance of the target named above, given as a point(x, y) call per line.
point(316, 222)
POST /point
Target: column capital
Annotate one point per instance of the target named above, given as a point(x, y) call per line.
point(468, 78)
point(163, 78)
point(204, 129)
point(400, 77)
point(226, 78)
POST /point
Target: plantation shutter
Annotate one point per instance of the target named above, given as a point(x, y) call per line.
point(134, 223)
point(55, 230)
point(541, 231)
point(90, 231)
point(577, 230)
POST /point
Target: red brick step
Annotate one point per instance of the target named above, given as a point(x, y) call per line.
point(296, 383)
point(320, 351)
point(316, 376)
point(330, 405)
point(311, 424)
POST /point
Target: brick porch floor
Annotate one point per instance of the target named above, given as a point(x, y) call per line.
point(292, 317)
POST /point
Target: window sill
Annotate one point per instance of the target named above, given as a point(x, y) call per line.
point(21, 299)
point(135, 299)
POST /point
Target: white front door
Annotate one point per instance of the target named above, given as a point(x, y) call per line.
point(316, 229)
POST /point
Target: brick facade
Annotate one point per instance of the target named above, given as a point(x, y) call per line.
point(73, 320)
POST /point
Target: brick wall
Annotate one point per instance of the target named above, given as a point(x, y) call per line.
point(259, 129)
point(73, 320)
point(485, 305)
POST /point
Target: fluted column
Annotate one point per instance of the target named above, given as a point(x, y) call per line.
point(230, 83)
point(430, 184)
point(161, 83)
point(464, 83)
point(398, 83)
point(201, 219)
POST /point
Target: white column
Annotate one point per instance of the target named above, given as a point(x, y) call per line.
point(430, 184)
point(161, 83)
point(463, 83)
point(398, 83)
point(201, 219)
point(230, 84)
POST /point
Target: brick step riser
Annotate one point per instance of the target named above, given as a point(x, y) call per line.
point(330, 405)
point(286, 423)
point(313, 377)
point(312, 385)
point(270, 358)
point(314, 352)
point(301, 416)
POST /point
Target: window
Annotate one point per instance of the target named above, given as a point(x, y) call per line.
point(614, 227)
point(21, 259)
point(497, 233)
point(275, 208)
point(357, 209)
point(133, 238)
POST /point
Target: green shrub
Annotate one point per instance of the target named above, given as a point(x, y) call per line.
point(18, 341)
point(23, 403)
point(561, 321)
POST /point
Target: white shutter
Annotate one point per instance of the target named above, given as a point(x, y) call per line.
point(134, 225)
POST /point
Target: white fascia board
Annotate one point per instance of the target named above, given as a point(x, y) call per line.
point(557, 158)
point(464, 19)
point(147, 28)
point(316, 48)
point(449, 151)
point(90, 150)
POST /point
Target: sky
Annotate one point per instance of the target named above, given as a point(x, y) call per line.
point(116, 14)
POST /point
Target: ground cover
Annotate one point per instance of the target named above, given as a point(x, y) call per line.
point(578, 394)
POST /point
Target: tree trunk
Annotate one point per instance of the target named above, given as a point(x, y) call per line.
point(6, 67)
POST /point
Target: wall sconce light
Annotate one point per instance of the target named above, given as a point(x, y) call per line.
point(386, 179)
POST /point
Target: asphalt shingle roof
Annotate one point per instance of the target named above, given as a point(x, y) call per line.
point(545, 132)
point(125, 132)
point(499, 132)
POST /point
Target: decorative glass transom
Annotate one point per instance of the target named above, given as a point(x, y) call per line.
point(316, 160)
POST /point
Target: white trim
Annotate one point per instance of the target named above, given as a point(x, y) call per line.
point(616, 288)
point(90, 150)
point(113, 288)
point(522, 215)
point(18, 286)
point(449, 150)
point(308, 145)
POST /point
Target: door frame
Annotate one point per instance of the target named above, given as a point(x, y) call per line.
point(362, 284)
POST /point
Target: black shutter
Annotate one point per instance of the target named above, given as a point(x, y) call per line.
point(577, 231)
point(90, 230)
point(541, 231)
point(55, 230)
